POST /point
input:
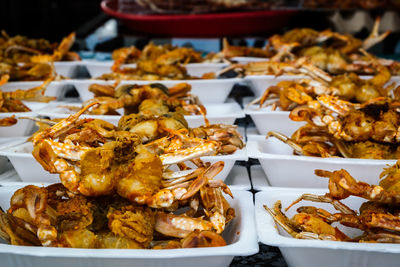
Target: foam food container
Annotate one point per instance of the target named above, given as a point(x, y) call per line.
point(305, 253)
point(284, 169)
point(240, 236)
point(209, 91)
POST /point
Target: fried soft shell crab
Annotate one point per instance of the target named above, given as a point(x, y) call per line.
point(117, 192)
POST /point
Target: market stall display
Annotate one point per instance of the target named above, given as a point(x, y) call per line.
point(154, 151)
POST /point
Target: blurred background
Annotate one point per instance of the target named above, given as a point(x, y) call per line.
point(98, 31)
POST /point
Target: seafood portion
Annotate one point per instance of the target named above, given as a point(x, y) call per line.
point(147, 70)
point(54, 217)
point(24, 59)
point(377, 217)
point(155, 62)
point(20, 49)
point(297, 42)
point(287, 95)
point(12, 101)
point(163, 54)
point(155, 99)
point(118, 192)
point(156, 112)
point(330, 51)
point(229, 51)
point(27, 71)
point(340, 128)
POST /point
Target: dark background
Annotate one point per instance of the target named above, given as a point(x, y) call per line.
point(54, 19)
point(50, 19)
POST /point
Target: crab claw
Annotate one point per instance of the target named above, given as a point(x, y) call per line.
point(202, 179)
point(61, 127)
point(374, 37)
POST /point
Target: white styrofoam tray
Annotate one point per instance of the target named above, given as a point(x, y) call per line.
point(305, 253)
point(225, 113)
point(240, 235)
point(9, 177)
point(229, 161)
point(267, 120)
point(98, 68)
point(238, 178)
point(21, 128)
point(208, 90)
point(34, 106)
point(245, 60)
point(250, 130)
point(6, 141)
point(55, 88)
point(259, 83)
point(287, 170)
point(258, 178)
point(67, 68)
point(30, 170)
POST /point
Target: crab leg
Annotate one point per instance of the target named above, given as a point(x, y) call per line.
point(281, 218)
point(342, 185)
point(61, 127)
point(286, 140)
point(323, 199)
point(180, 177)
point(374, 37)
point(205, 149)
point(45, 121)
point(33, 94)
point(179, 225)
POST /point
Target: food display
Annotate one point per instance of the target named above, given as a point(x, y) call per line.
point(162, 54)
point(330, 51)
point(26, 59)
point(286, 95)
point(340, 128)
point(140, 157)
point(375, 217)
point(154, 62)
point(20, 49)
point(94, 159)
point(230, 51)
point(154, 99)
point(11, 102)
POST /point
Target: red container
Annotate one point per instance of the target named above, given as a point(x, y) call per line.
point(201, 25)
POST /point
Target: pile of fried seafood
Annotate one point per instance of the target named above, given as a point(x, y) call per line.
point(154, 62)
point(345, 115)
point(154, 98)
point(138, 185)
point(337, 128)
point(12, 101)
point(20, 49)
point(330, 51)
point(377, 217)
point(26, 59)
point(289, 94)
